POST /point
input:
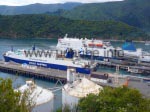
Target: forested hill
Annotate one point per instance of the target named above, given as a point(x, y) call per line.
point(52, 26)
point(36, 8)
point(132, 12)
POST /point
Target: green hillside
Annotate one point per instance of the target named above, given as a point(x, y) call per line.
point(36, 8)
point(132, 12)
point(53, 26)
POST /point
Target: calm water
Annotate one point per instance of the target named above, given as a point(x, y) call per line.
point(5, 45)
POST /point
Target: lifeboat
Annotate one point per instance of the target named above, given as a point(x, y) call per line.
point(91, 44)
point(95, 45)
point(99, 45)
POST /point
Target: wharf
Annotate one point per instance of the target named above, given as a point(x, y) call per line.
point(143, 69)
point(54, 75)
point(40, 73)
point(140, 83)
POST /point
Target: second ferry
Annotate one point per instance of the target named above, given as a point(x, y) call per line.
point(103, 50)
point(54, 60)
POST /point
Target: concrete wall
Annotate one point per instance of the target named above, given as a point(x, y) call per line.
point(69, 100)
point(46, 107)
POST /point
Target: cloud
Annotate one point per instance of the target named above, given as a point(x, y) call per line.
point(26, 2)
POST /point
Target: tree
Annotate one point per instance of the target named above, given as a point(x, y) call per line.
point(42, 25)
point(13, 101)
point(122, 99)
point(65, 109)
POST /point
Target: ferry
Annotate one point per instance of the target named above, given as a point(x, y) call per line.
point(131, 52)
point(86, 48)
point(54, 61)
point(102, 50)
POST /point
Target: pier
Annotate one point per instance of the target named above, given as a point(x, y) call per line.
point(52, 75)
point(141, 69)
point(140, 83)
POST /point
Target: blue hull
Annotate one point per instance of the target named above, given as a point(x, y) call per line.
point(47, 65)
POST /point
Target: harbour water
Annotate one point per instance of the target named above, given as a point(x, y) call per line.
point(6, 44)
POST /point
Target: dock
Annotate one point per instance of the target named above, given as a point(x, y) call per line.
point(140, 83)
point(52, 75)
point(42, 73)
point(142, 69)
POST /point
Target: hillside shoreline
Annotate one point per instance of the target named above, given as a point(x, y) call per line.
point(50, 38)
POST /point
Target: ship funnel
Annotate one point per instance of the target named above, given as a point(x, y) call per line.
point(129, 45)
point(71, 75)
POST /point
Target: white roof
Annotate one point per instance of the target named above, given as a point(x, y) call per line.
point(38, 94)
point(82, 88)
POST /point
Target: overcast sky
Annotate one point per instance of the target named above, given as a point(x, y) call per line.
point(25, 2)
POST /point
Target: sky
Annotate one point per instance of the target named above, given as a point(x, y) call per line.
point(26, 2)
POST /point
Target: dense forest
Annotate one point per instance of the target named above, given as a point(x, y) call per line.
point(53, 26)
point(132, 12)
point(127, 19)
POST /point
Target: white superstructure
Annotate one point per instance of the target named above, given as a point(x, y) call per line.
point(130, 51)
point(98, 47)
point(101, 50)
point(42, 60)
point(53, 60)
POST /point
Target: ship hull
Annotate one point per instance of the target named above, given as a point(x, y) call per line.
point(100, 58)
point(47, 65)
